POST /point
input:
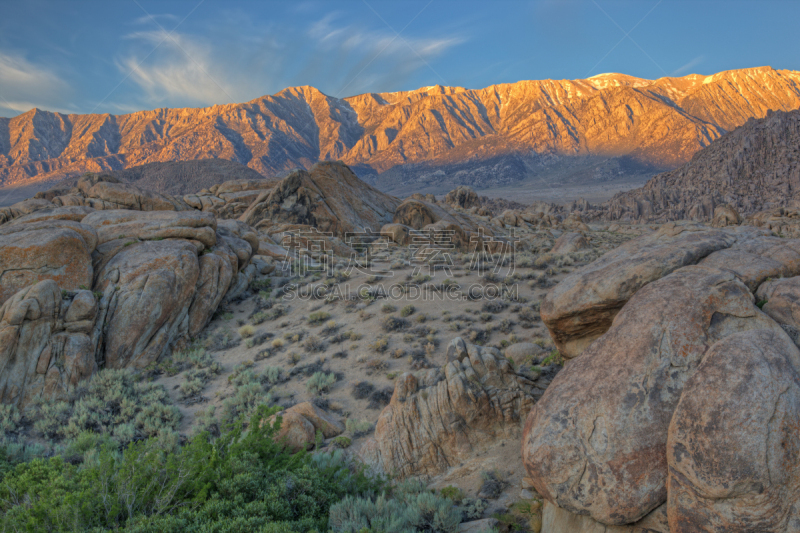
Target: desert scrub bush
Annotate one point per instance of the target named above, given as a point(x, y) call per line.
point(258, 340)
point(246, 331)
point(357, 428)
point(272, 375)
point(277, 343)
point(10, 417)
point(380, 398)
point(341, 442)
point(376, 365)
point(411, 507)
point(314, 344)
point(527, 315)
point(408, 310)
point(380, 345)
point(494, 306)
point(388, 308)
point(237, 481)
point(362, 390)
point(196, 380)
point(318, 317)
point(223, 339)
point(555, 358)
point(248, 395)
point(493, 485)
point(452, 493)
point(274, 313)
point(393, 323)
point(320, 382)
point(330, 327)
point(114, 403)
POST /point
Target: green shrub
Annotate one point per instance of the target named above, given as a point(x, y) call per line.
point(273, 375)
point(409, 508)
point(10, 418)
point(407, 310)
point(240, 481)
point(341, 442)
point(320, 382)
point(357, 427)
point(393, 323)
point(112, 403)
point(318, 317)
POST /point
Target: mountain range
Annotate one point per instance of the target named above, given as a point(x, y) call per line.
point(426, 140)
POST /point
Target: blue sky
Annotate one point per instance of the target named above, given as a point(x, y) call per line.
point(118, 56)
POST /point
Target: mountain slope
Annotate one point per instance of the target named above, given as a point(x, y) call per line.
point(659, 123)
point(754, 167)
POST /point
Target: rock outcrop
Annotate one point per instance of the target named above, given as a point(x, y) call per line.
point(300, 423)
point(684, 411)
point(602, 423)
point(45, 249)
point(580, 308)
point(569, 242)
point(329, 198)
point(751, 169)
point(733, 442)
point(45, 343)
point(463, 197)
point(440, 416)
point(87, 287)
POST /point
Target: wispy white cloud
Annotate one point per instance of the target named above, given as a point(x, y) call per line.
point(688, 66)
point(181, 68)
point(234, 62)
point(25, 85)
point(158, 17)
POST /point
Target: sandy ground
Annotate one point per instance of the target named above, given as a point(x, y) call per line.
point(435, 322)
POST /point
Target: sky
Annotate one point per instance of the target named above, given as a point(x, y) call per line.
point(120, 56)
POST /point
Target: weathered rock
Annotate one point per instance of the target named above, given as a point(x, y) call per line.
point(155, 286)
point(596, 441)
point(155, 225)
point(417, 214)
point(733, 443)
point(510, 218)
point(463, 197)
point(781, 301)
point(107, 192)
point(398, 233)
point(569, 243)
point(523, 350)
point(581, 307)
point(329, 198)
point(755, 260)
point(438, 417)
point(575, 222)
point(750, 169)
point(240, 238)
point(483, 525)
point(75, 214)
point(38, 359)
point(301, 422)
point(725, 215)
point(319, 418)
point(24, 207)
point(296, 431)
point(241, 282)
point(213, 282)
point(557, 520)
point(52, 249)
